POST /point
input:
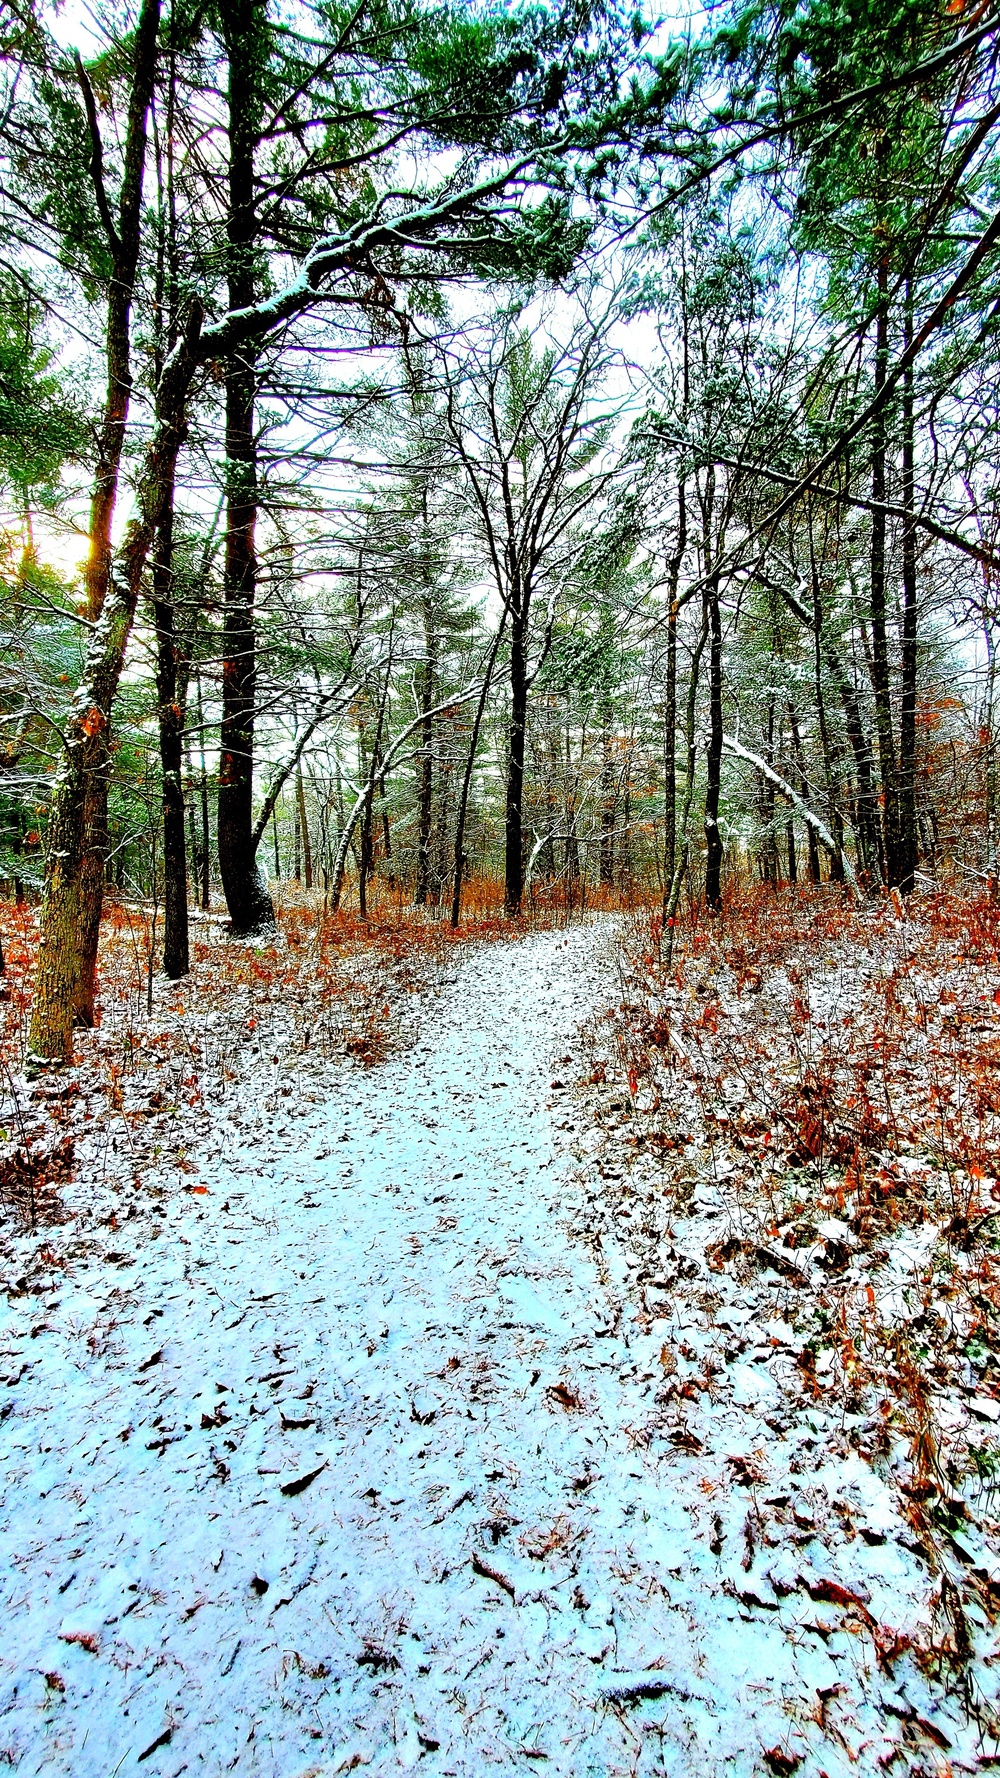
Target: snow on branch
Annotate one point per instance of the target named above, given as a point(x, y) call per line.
point(819, 827)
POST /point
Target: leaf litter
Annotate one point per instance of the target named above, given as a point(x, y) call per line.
point(465, 1421)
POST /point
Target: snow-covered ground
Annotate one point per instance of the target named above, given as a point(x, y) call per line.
point(343, 1463)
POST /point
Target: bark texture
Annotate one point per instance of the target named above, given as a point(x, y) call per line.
point(123, 242)
point(513, 814)
point(713, 756)
point(247, 898)
point(169, 695)
point(62, 930)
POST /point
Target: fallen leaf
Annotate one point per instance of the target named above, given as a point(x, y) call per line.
point(831, 1592)
point(481, 1566)
point(781, 1763)
point(300, 1483)
point(83, 1639)
point(161, 1741)
point(564, 1395)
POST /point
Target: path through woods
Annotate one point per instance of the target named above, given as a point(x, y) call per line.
point(347, 1470)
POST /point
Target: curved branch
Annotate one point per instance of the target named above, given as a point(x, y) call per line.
point(819, 827)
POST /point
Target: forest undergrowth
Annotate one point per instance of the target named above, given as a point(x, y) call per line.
point(808, 1098)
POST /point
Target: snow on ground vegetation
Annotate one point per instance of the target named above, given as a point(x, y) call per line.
point(509, 1403)
point(797, 1181)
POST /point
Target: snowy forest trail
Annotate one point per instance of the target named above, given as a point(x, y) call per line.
point(347, 1473)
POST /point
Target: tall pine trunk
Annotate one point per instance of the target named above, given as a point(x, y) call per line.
point(713, 755)
point(204, 851)
point(836, 820)
point(880, 648)
point(247, 898)
point(907, 797)
point(470, 761)
point(771, 869)
point(871, 857)
point(672, 902)
point(171, 681)
point(85, 759)
point(670, 756)
point(171, 725)
point(307, 856)
point(608, 799)
point(812, 849)
point(670, 699)
point(513, 814)
point(124, 240)
point(425, 777)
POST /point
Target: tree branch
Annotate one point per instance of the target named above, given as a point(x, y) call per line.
point(96, 155)
point(922, 521)
point(819, 827)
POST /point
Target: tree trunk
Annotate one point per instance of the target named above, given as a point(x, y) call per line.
point(366, 861)
point(366, 853)
point(670, 694)
point(871, 856)
point(906, 807)
point(551, 811)
point(793, 869)
point(425, 775)
point(443, 817)
point(832, 788)
point(771, 871)
point(880, 649)
point(571, 848)
point(205, 860)
point(673, 898)
point(50, 1039)
point(192, 825)
point(513, 819)
point(812, 850)
point(713, 756)
point(390, 875)
point(176, 962)
point(607, 846)
point(91, 899)
point(626, 873)
point(470, 761)
point(307, 856)
point(124, 241)
point(670, 756)
point(246, 894)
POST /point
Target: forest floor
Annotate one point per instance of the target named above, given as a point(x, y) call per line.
point(486, 1358)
